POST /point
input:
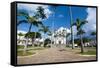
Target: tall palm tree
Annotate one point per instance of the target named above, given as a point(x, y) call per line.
point(44, 29)
point(72, 35)
point(32, 20)
point(80, 32)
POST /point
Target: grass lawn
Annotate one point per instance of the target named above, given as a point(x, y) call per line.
point(38, 48)
point(30, 50)
point(20, 53)
point(89, 52)
point(20, 46)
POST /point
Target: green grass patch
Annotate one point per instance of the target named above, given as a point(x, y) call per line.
point(20, 46)
point(37, 48)
point(89, 53)
point(21, 53)
point(29, 46)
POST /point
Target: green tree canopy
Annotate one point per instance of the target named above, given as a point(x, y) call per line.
point(32, 35)
point(93, 33)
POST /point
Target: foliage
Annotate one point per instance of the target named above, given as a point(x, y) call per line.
point(93, 33)
point(32, 35)
point(79, 24)
point(20, 34)
point(40, 13)
point(44, 29)
point(47, 41)
point(85, 39)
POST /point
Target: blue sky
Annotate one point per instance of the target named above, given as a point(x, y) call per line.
point(61, 16)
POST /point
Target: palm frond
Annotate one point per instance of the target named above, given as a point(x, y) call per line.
point(21, 21)
point(23, 14)
point(40, 13)
point(83, 22)
point(74, 24)
point(80, 32)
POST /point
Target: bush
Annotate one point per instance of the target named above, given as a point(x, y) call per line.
point(46, 42)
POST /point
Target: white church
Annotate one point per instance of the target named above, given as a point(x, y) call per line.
point(60, 35)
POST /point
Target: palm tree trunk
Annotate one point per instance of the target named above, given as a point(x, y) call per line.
point(72, 36)
point(25, 46)
point(43, 40)
point(26, 43)
point(82, 46)
point(35, 37)
point(32, 41)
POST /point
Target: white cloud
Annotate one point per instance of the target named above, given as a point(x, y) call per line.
point(31, 8)
point(91, 18)
point(21, 31)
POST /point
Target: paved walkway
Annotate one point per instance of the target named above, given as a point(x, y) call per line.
point(53, 55)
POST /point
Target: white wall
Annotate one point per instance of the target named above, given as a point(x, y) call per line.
point(5, 34)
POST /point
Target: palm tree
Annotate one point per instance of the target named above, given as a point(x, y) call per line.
point(80, 32)
point(67, 37)
point(44, 29)
point(32, 20)
point(40, 13)
point(72, 35)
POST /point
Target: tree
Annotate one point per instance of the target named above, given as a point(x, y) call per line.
point(86, 39)
point(32, 35)
point(47, 41)
point(93, 33)
point(32, 20)
point(80, 32)
point(44, 29)
point(20, 34)
point(40, 13)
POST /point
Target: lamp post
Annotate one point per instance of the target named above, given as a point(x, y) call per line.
point(71, 22)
